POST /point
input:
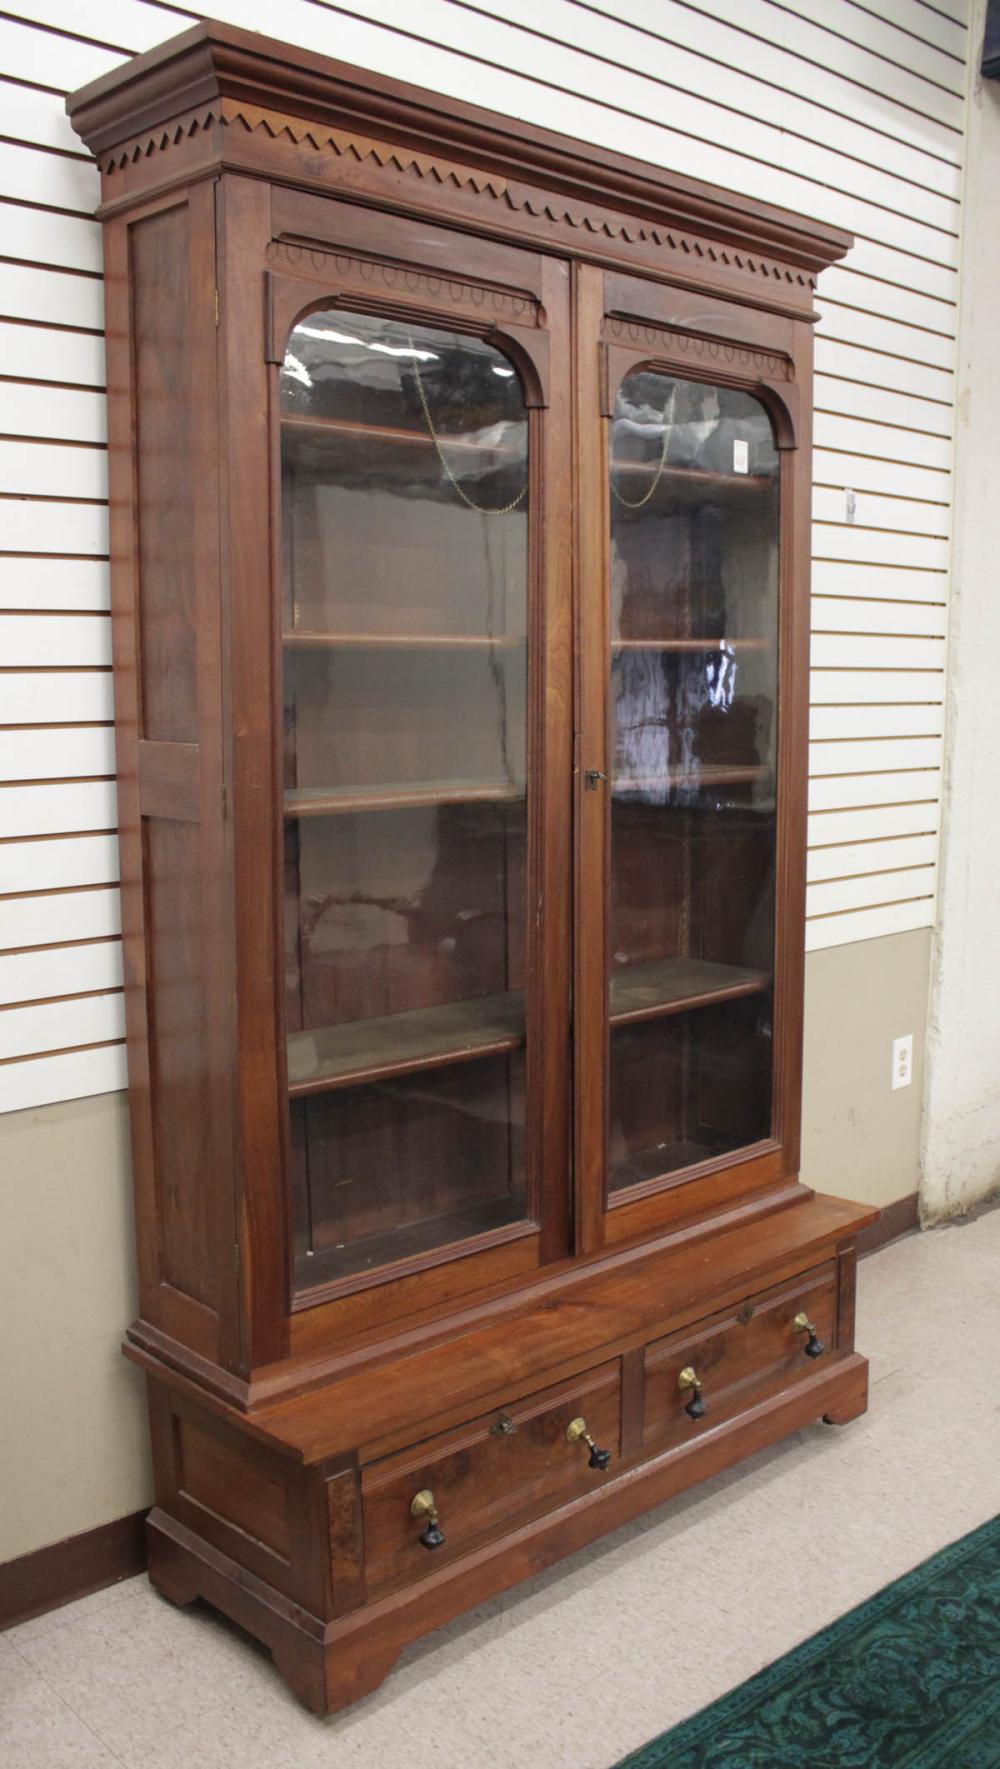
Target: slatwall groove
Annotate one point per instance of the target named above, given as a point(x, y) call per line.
point(727, 43)
point(742, 93)
point(48, 1079)
point(848, 111)
point(926, 22)
point(886, 44)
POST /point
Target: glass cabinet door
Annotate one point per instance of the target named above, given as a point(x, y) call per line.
point(692, 713)
point(405, 510)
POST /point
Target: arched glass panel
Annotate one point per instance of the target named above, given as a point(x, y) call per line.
point(694, 506)
point(404, 454)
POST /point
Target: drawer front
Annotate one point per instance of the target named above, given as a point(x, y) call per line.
point(735, 1353)
point(487, 1475)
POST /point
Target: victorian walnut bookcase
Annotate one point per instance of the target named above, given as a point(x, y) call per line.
point(460, 500)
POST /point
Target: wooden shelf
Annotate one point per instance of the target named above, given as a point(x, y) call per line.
point(710, 774)
point(723, 644)
point(697, 478)
point(402, 1043)
point(303, 639)
point(360, 1051)
point(412, 1239)
point(646, 1165)
point(317, 801)
point(298, 424)
point(670, 985)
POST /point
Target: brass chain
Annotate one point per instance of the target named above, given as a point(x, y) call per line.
point(480, 509)
point(638, 503)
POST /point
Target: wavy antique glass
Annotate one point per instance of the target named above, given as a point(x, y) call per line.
point(404, 456)
point(693, 690)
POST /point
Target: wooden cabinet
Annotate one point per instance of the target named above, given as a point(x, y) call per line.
point(460, 539)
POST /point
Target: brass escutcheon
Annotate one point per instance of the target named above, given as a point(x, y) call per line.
point(503, 1426)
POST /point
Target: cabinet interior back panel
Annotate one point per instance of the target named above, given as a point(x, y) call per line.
point(854, 115)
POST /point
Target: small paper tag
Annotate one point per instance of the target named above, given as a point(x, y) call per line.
point(741, 457)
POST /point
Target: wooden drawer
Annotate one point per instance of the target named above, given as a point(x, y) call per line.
point(734, 1353)
point(485, 1478)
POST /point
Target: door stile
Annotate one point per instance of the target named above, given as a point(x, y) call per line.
point(592, 765)
point(550, 766)
point(793, 766)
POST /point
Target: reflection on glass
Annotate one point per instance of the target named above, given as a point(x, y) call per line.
point(404, 457)
point(694, 606)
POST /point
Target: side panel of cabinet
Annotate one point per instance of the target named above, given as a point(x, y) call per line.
point(658, 915)
point(160, 265)
point(249, 708)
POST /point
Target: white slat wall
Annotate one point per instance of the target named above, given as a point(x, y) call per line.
point(850, 113)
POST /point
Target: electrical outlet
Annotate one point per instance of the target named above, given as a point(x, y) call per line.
point(902, 1061)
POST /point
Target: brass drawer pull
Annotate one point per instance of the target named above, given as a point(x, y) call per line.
point(422, 1505)
point(695, 1408)
point(813, 1347)
point(576, 1432)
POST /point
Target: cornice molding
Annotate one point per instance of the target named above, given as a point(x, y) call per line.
point(217, 76)
point(590, 218)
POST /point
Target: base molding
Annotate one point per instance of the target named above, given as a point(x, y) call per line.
point(72, 1568)
point(329, 1665)
point(895, 1221)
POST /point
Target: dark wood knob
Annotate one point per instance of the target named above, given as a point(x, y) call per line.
point(422, 1505)
point(695, 1408)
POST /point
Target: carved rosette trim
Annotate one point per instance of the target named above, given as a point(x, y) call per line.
point(360, 149)
point(400, 279)
point(770, 365)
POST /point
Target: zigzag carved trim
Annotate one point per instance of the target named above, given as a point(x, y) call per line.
point(169, 136)
point(639, 232)
point(301, 132)
point(361, 148)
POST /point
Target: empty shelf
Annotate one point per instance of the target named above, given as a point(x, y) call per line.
point(707, 774)
point(701, 482)
point(322, 801)
point(295, 424)
point(303, 639)
point(669, 985)
point(720, 644)
point(401, 1043)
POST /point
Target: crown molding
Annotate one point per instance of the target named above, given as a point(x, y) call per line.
point(219, 75)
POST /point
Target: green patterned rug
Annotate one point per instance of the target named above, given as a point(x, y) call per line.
point(909, 1680)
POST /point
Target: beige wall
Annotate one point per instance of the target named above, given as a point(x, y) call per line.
point(859, 1138)
point(961, 1154)
point(73, 1451)
point(77, 1456)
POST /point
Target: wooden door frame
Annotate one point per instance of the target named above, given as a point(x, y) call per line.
point(622, 323)
point(263, 286)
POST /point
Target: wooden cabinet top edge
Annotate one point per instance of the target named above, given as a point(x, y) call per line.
point(221, 73)
point(520, 1349)
point(299, 1406)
